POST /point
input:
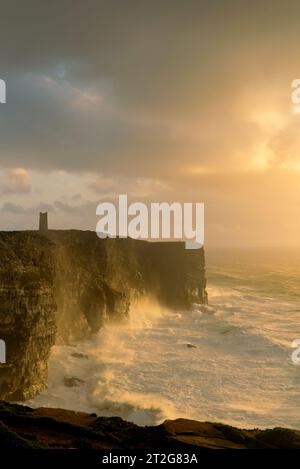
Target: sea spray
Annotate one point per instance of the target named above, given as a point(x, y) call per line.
point(239, 370)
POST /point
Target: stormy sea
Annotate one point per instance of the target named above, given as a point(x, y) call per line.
point(229, 361)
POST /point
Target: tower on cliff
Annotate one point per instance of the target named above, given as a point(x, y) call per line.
point(43, 225)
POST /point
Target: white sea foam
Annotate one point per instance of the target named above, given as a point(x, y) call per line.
point(229, 361)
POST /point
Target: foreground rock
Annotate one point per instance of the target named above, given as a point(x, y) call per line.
point(23, 427)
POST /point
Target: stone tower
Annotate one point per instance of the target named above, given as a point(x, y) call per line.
point(43, 226)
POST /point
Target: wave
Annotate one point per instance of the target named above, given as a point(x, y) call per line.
point(142, 408)
point(218, 361)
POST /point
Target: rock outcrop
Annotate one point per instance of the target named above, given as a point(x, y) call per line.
point(63, 286)
point(23, 427)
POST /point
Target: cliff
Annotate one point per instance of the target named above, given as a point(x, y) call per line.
point(63, 286)
point(23, 427)
point(27, 313)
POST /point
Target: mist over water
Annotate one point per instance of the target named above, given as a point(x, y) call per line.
point(229, 361)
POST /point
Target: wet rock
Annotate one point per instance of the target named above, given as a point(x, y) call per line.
point(72, 381)
point(79, 355)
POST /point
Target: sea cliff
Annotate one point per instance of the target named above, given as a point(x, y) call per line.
point(63, 286)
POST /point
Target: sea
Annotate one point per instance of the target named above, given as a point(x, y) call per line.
point(229, 361)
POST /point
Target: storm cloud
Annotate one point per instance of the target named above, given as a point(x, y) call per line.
point(156, 95)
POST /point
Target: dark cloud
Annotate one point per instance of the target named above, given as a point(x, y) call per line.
point(116, 86)
point(69, 209)
point(20, 210)
point(13, 208)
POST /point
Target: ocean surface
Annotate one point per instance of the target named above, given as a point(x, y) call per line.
point(229, 361)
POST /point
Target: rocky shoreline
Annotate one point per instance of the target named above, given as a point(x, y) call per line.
point(43, 428)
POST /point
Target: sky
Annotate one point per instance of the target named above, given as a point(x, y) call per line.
point(170, 100)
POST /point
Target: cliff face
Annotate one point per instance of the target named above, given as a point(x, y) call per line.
point(27, 313)
point(96, 280)
point(64, 286)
